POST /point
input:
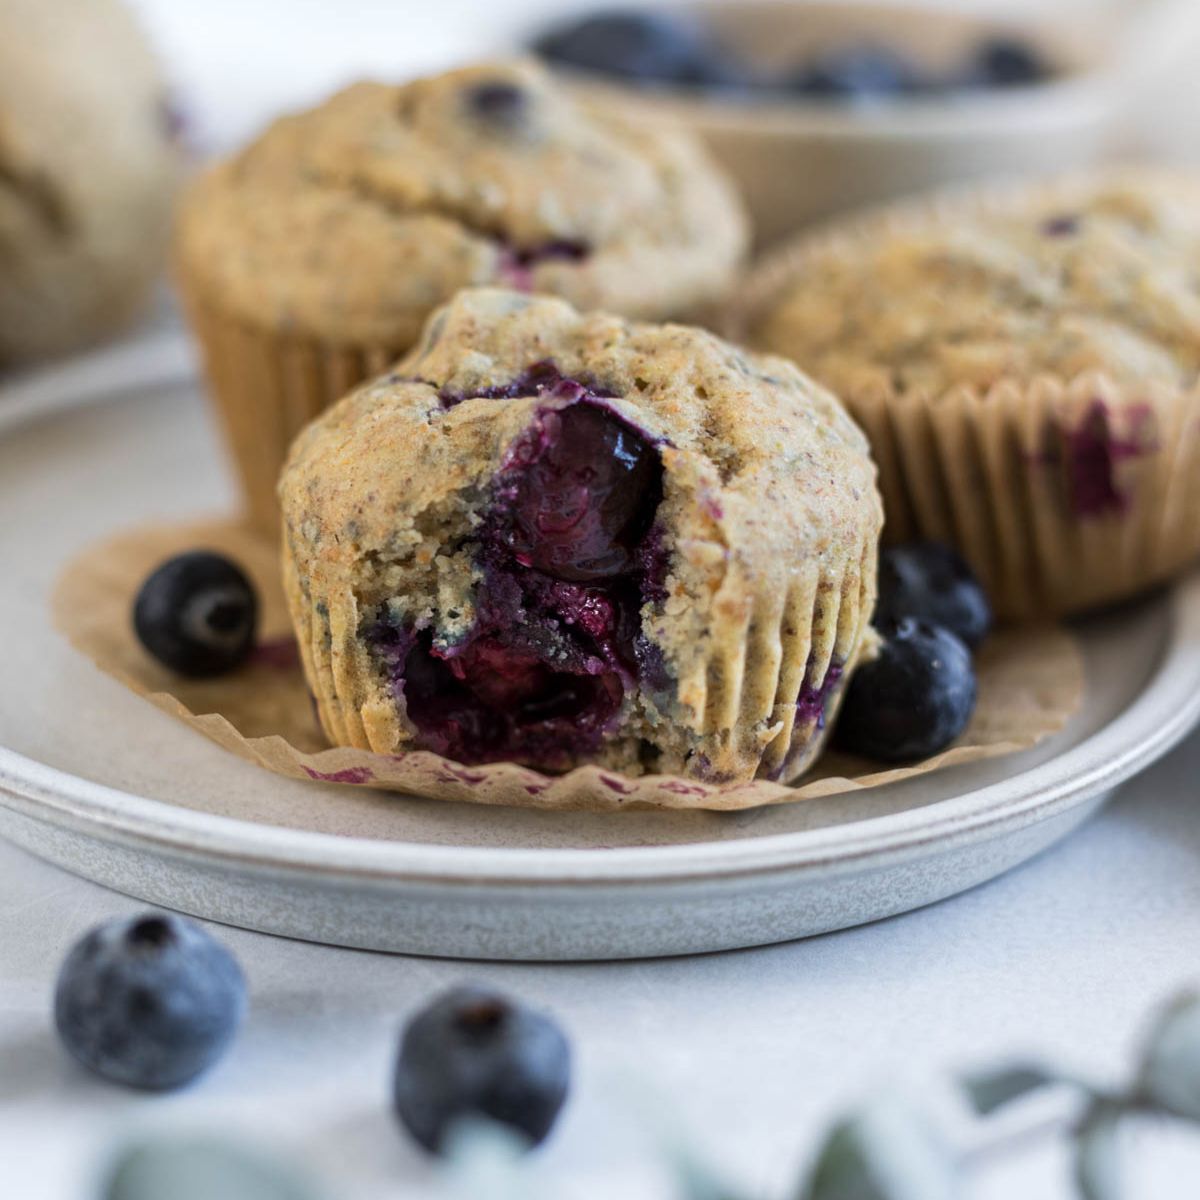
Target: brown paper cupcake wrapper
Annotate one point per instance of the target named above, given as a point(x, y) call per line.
point(267, 387)
point(1063, 494)
point(1030, 685)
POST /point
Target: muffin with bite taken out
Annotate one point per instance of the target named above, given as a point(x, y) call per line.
point(555, 539)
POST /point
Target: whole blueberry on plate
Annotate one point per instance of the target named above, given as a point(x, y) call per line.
point(932, 582)
point(1005, 61)
point(864, 72)
point(197, 614)
point(651, 47)
point(913, 699)
point(474, 1053)
point(149, 1001)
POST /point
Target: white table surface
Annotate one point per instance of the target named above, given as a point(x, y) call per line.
point(752, 1052)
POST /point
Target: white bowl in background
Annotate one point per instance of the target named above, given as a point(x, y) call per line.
point(798, 160)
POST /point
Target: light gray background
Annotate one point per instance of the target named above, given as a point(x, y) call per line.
point(751, 1052)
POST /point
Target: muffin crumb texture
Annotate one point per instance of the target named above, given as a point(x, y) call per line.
point(555, 539)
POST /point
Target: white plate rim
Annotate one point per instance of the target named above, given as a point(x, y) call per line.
point(1162, 713)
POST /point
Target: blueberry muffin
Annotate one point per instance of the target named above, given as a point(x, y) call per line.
point(88, 163)
point(311, 260)
point(554, 539)
point(1025, 365)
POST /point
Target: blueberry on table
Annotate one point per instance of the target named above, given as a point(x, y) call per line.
point(197, 614)
point(1001, 62)
point(912, 700)
point(476, 1054)
point(855, 73)
point(644, 46)
point(932, 582)
point(150, 1001)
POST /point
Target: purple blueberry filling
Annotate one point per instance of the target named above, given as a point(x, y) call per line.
point(568, 554)
point(812, 701)
point(1063, 225)
point(1091, 454)
point(517, 263)
point(542, 380)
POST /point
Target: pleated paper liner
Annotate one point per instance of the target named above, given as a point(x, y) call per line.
point(266, 387)
point(1012, 475)
point(1030, 684)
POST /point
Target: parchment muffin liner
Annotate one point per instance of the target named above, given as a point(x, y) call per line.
point(266, 387)
point(1030, 684)
point(1063, 493)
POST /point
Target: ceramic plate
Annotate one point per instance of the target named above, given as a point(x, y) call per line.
point(99, 782)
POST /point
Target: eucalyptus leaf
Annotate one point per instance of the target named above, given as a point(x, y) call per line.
point(991, 1090)
point(698, 1181)
point(1170, 1071)
point(883, 1151)
point(483, 1159)
point(1098, 1173)
point(201, 1169)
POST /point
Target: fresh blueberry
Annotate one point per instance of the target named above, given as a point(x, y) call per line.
point(931, 582)
point(649, 47)
point(1002, 62)
point(855, 73)
point(912, 700)
point(197, 614)
point(498, 101)
point(475, 1054)
point(149, 1001)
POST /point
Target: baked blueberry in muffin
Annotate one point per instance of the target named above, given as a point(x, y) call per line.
point(555, 538)
point(311, 260)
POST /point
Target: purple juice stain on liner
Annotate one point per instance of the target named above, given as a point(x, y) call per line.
point(346, 775)
point(677, 788)
point(621, 786)
point(1090, 454)
point(279, 654)
point(567, 559)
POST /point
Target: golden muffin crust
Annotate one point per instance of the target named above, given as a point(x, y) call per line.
point(352, 221)
point(1094, 274)
point(761, 581)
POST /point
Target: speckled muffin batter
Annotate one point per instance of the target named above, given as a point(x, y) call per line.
point(554, 538)
point(313, 258)
point(88, 163)
point(1025, 364)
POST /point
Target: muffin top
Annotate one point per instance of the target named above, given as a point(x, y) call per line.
point(1093, 274)
point(760, 463)
point(354, 220)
